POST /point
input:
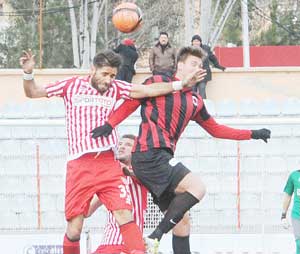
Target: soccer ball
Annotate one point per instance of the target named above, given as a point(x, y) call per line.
point(127, 17)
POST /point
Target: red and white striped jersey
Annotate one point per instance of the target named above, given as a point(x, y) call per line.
point(87, 109)
point(138, 193)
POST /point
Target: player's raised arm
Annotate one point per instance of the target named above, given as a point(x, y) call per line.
point(225, 132)
point(157, 89)
point(31, 89)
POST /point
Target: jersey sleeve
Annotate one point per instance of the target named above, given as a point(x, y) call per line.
point(122, 112)
point(124, 89)
point(58, 88)
point(207, 122)
point(289, 187)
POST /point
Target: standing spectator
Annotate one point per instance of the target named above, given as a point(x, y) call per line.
point(201, 86)
point(292, 187)
point(129, 56)
point(162, 59)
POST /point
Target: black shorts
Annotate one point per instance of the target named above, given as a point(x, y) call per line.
point(155, 172)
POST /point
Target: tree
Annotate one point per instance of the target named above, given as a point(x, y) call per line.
point(284, 26)
point(23, 34)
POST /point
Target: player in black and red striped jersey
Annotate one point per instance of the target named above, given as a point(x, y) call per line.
point(164, 118)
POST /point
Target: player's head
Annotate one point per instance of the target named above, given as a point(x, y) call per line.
point(189, 59)
point(196, 41)
point(104, 69)
point(125, 147)
point(163, 38)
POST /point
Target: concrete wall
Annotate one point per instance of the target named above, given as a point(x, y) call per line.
point(235, 83)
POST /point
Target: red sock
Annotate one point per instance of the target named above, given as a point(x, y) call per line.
point(71, 247)
point(132, 238)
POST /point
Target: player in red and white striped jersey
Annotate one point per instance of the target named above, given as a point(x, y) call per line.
point(112, 240)
point(88, 102)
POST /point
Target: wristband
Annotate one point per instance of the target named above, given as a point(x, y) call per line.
point(28, 76)
point(177, 85)
point(283, 215)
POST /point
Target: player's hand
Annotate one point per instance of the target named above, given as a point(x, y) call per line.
point(263, 134)
point(193, 78)
point(104, 130)
point(27, 61)
point(285, 223)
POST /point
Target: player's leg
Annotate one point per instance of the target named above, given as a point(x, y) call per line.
point(116, 197)
point(296, 229)
point(181, 236)
point(77, 199)
point(189, 192)
point(72, 236)
point(131, 234)
point(161, 175)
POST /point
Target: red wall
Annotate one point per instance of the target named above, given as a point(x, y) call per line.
point(260, 56)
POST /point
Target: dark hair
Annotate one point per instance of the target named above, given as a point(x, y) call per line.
point(184, 52)
point(130, 136)
point(107, 58)
point(163, 33)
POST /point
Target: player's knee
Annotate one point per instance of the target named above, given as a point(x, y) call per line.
point(123, 216)
point(198, 190)
point(193, 184)
point(74, 228)
point(73, 233)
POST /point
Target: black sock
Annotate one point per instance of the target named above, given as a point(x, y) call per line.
point(181, 244)
point(180, 204)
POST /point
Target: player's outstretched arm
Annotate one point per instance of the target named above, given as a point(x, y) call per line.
point(226, 132)
point(158, 89)
point(31, 89)
point(217, 130)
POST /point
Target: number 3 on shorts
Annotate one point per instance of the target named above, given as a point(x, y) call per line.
point(125, 193)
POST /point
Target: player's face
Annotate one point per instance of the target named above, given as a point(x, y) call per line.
point(191, 64)
point(124, 151)
point(101, 78)
point(163, 39)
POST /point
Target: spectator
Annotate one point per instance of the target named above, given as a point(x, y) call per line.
point(292, 187)
point(129, 56)
point(162, 59)
point(201, 86)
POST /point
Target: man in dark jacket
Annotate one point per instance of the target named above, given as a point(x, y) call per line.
point(129, 56)
point(201, 86)
point(162, 59)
